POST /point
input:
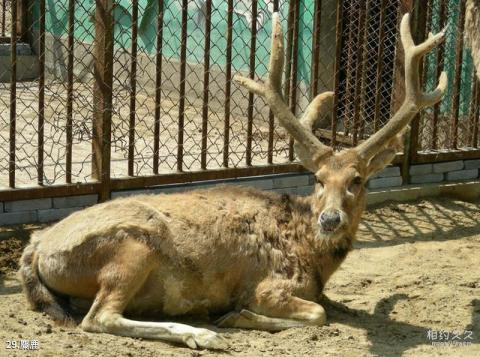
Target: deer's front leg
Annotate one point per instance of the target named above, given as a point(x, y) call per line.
point(271, 316)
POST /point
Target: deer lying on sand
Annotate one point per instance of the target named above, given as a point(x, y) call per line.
point(259, 257)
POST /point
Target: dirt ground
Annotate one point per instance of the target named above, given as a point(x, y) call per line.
point(415, 271)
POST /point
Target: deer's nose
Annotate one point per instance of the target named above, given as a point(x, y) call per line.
point(329, 220)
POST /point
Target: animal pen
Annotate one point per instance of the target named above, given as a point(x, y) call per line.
point(130, 94)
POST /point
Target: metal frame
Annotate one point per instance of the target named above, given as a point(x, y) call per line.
point(101, 143)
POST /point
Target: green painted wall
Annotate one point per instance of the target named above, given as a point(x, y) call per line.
point(57, 19)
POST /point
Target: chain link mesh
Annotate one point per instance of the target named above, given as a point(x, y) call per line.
point(451, 124)
point(364, 84)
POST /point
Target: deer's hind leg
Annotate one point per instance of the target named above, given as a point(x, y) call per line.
point(119, 281)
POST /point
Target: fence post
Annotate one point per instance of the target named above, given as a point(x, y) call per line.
point(102, 96)
point(418, 9)
point(22, 20)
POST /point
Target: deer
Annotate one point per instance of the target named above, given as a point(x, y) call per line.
point(237, 257)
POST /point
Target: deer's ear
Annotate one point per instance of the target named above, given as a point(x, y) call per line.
point(380, 161)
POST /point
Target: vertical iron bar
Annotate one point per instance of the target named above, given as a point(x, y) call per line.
point(363, 73)
point(338, 64)
point(102, 101)
point(133, 89)
point(253, 45)
point(458, 72)
point(359, 71)
point(4, 17)
point(378, 82)
point(22, 28)
point(271, 118)
point(316, 48)
point(293, 74)
point(158, 87)
point(288, 48)
point(439, 67)
point(183, 68)
point(228, 83)
point(41, 92)
point(71, 28)
point(475, 111)
point(419, 31)
point(206, 81)
point(13, 95)
point(350, 80)
point(477, 117)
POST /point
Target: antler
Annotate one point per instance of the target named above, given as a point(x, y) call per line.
point(415, 98)
point(309, 149)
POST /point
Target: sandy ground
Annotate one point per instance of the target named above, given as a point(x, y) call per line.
point(415, 268)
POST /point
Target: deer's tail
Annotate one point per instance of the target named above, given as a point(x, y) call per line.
point(39, 296)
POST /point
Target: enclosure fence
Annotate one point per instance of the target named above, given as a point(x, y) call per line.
point(128, 94)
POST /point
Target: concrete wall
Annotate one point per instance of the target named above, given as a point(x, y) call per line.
point(427, 180)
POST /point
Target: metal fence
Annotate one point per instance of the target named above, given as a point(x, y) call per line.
point(139, 93)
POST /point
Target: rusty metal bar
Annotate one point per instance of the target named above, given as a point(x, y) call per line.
point(133, 88)
point(439, 67)
point(288, 48)
point(271, 118)
point(292, 99)
point(228, 83)
point(271, 129)
point(49, 191)
point(458, 72)
point(288, 62)
point(158, 86)
point(317, 15)
point(359, 71)
point(71, 28)
point(206, 81)
point(475, 111)
point(378, 80)
point(22, 17)
point(4, 17)
point(348, 99)
point(338, 64)
point(13, 95)
point(183, 68)
point(419, 30)
point(203, 175)
point(363, 71)
point(477, 117)
point(102, 93)
point(41, 92)
point(253, 45)
point(450, 155)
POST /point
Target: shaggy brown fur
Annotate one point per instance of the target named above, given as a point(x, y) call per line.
point(203, 252)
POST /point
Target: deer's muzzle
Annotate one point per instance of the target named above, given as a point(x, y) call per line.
point(329, 220)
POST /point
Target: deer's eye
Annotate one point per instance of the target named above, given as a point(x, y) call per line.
point(357, 180)
point(355, 184)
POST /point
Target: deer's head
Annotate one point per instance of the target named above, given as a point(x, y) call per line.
point(339, 196)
